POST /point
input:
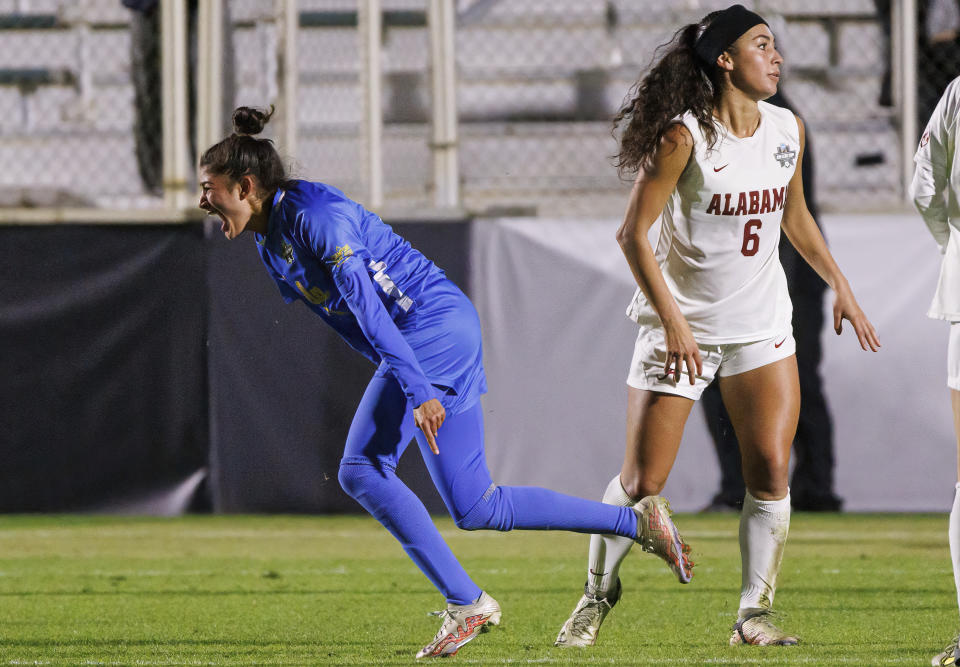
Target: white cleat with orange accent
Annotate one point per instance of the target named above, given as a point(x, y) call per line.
point(461, 623)
point(656, 534)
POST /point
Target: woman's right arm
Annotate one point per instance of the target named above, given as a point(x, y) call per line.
point(931, 177)
point(654, 185)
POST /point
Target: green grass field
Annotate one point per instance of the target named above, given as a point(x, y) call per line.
point(859, 589)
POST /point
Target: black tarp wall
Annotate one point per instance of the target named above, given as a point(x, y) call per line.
point(133, 358)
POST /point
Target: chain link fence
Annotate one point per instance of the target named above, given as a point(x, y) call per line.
point(541, 80)
point(938, 51)
point(65, 100)
point(538, 82)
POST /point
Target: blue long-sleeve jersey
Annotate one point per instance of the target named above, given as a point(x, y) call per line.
point(383, 297)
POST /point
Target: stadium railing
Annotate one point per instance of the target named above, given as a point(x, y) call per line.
point(535, 85)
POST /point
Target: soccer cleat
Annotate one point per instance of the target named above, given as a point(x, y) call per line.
point(461, 623)
point(583, 626)
point(949, 655)
point(758, 629)
point(656, 534)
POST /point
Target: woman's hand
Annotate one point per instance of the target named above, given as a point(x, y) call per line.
point(429, 418)
point(845, 307)
point(681, 349)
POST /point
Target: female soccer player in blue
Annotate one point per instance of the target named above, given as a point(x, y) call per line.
point(394, 306)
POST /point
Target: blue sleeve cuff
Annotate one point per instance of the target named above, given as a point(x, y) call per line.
point(420, 394)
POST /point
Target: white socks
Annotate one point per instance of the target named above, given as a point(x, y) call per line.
point(954, 535)
point(764, 525)
point(763, 533)
point(608, 551)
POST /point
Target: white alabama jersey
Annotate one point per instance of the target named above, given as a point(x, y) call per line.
point(936, 192)
point(718, 246)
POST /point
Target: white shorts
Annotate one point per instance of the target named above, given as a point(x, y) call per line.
point(953, 357)
point(650, 357)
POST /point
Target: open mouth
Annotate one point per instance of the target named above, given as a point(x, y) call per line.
point(223, 219)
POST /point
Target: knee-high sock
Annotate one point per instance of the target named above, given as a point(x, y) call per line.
point(608, 551)
point(393, 504)
point(764, 525)
point(463, 480)
point(954, 535)
point(533, 508)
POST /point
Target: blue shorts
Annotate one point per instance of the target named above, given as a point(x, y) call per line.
point(444, 333)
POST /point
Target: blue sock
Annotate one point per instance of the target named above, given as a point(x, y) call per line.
point(394, 505)
point(461, 476)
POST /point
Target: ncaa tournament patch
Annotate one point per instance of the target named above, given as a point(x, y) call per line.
point(785, 155)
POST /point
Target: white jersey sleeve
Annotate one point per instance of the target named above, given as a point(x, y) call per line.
point(719, 240)
point(935, 190)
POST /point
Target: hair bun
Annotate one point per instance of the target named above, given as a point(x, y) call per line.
point(250, 121)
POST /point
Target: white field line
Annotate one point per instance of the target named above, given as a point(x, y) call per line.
point(165, 533)
point(580, 659)
point(733, 660)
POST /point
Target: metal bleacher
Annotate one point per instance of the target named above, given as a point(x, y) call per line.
point(538, 81)
point(835, 62)
point(66, 102)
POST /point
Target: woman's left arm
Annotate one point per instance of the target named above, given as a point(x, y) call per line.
point(802, 230)
point(331, 234)
point(381, 331)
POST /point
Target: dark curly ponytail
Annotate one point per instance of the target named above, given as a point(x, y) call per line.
point(677, 83)
point(242, 153)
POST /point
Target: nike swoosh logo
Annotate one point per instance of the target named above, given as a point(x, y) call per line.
point(780, 343)
point(720, 168)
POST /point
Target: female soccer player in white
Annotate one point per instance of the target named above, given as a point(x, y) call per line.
point(720, 167)
point(936, 190)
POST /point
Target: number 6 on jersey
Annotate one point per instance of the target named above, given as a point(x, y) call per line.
point(751, 242)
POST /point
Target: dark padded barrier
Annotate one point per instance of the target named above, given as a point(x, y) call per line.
point(102, 381)
point(133, 359)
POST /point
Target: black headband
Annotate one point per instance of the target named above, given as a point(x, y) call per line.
point(728, 26)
